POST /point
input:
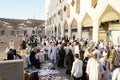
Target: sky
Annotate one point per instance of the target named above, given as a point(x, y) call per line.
point(22, 9)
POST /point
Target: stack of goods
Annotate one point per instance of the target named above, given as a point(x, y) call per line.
point(47, 65)
point(54, 77)
point(47, 72)
point(51, 75)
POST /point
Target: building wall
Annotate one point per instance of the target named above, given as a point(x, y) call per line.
point(88, 16)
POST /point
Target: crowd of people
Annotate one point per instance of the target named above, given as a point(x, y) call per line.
point(83, 59)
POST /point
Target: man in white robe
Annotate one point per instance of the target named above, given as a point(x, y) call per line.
point(88, 52)
point(98, 53)
point(105, 64)
point(11, 44)
point(76, 49)
point(94, 68)
point(53, 53)
point(116, 74)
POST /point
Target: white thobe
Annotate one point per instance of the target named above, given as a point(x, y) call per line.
point(77, 50)
point(87, 53)
point(11, 44)
point(53, 54)
point(77, 68)
point(44, 50)
point(116, 74)
point(94, 69)
point(67, 48)
point(59, 46)
point(98, 54)
point(72, 48)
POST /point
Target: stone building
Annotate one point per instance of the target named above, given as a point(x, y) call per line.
point(91, 19)
point(19, 27)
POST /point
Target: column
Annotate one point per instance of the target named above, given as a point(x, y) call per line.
point(95, 30)
point(57, 32)
point(69, 31)
point(62, 31)
point(79, 31)
point(53, 31)
point(45, 30)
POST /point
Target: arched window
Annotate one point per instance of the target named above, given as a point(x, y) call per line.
point(73, 2)
point(68, 10)
point(78, 6)
point(94, 3)
point(61, 14)
point(64, 8)
point(12, 33)
point(2, 32)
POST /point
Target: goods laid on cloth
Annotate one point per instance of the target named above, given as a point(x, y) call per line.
point(51, 75)
point(47, 72)
point(47, 65)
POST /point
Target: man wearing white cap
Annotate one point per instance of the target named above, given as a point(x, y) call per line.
point(98, 52)
point(105, 65)
point(94, 68)
point(53, 53)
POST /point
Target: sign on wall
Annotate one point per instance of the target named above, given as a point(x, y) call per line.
point(114, 27)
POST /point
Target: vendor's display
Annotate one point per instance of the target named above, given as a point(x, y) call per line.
point(47, 72)
point(47, 65)
point(53, 77)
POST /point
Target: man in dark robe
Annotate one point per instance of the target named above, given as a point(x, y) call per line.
point(10, 55)
point(61, 54)
point(35, 62)
point(69, 62)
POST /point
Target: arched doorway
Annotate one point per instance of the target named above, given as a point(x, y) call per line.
point(74, 28)
point(59, 31)
point(25, 32)
point(109, 29)
point(87, 27)
point(55, 29)
point(2, 32)
point(13, 33)
point(66, 30)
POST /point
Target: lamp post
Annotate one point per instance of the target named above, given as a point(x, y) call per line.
point(37, 30)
